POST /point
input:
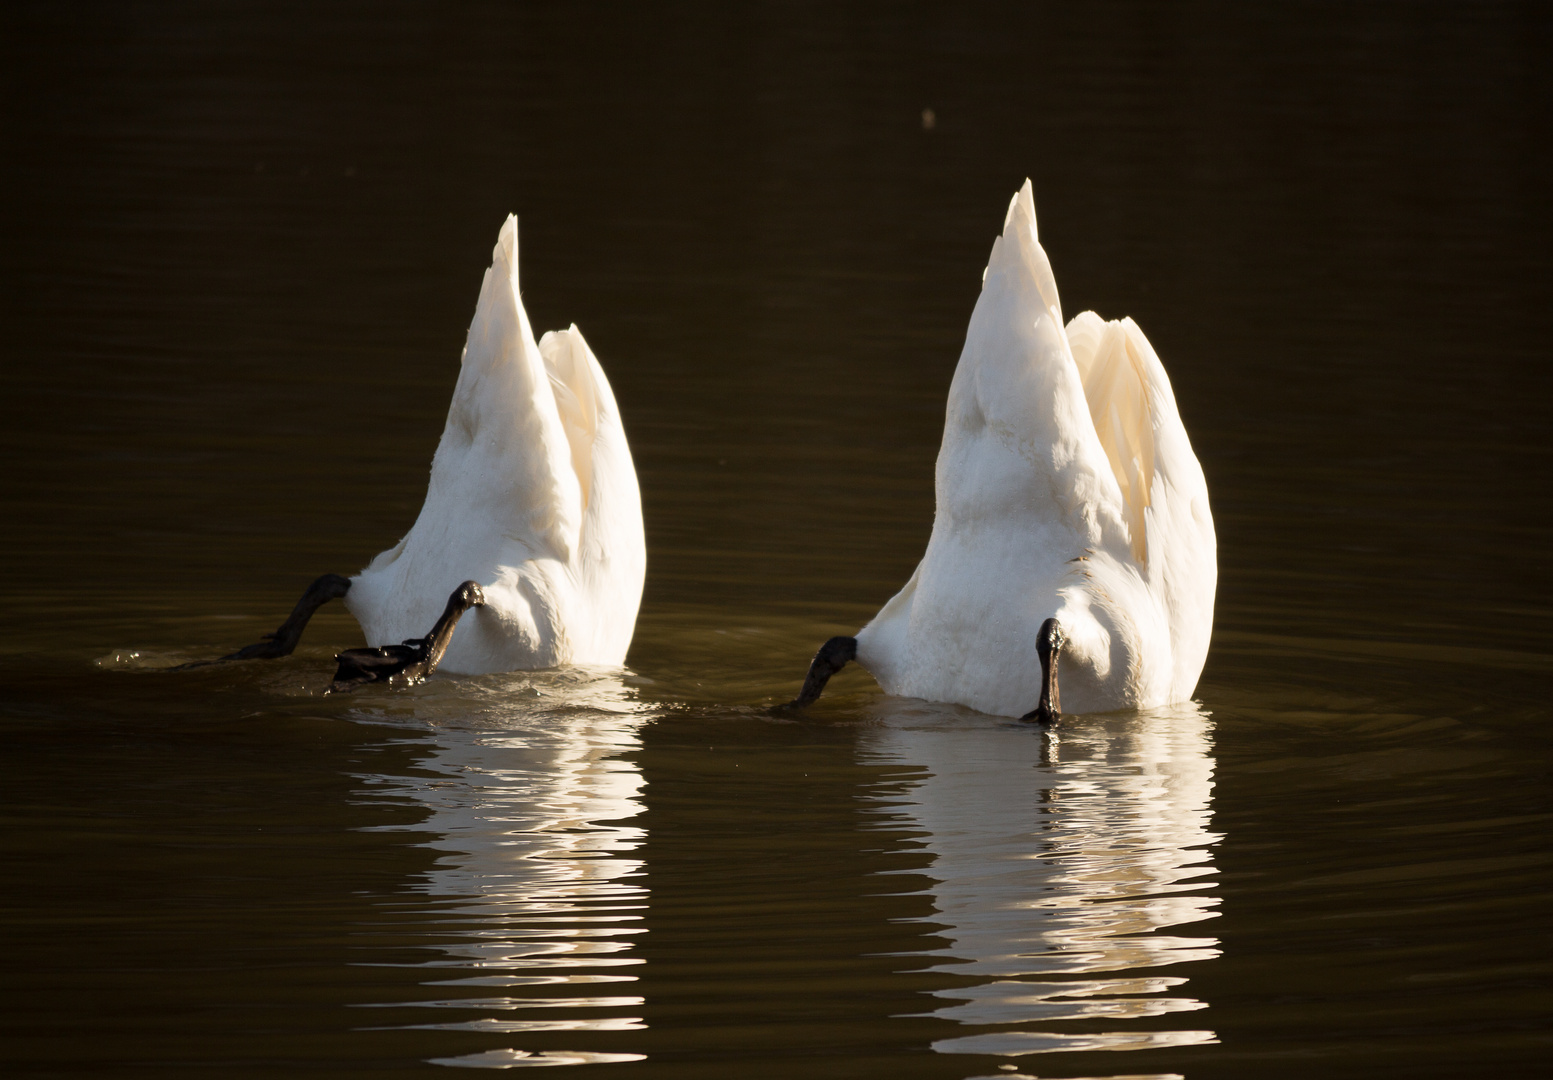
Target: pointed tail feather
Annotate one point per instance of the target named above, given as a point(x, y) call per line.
point(1116, 386)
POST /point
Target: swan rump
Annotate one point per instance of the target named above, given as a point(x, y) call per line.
point(533, 495)
point(1066, 487)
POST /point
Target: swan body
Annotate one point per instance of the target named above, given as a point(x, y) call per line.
point(1066, 488)
point(533, 496)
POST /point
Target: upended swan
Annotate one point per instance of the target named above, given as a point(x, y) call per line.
point(1073, 544)
point(532, 518)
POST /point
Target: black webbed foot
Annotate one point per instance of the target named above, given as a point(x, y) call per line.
point(379, 664)
point(284, 640)
point(834, 655)
point(415, 658)
point(1048, 645)
point(1042, 715)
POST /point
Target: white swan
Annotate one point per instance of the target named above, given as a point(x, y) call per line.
point(1072, 519)
point(533, 499)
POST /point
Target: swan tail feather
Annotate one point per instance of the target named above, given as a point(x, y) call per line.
point(506, 446)
point(572, 382)
point(1118, 392)
point(1019, 438)
point(612, 562)
point(503, 488)
point(1180, 527)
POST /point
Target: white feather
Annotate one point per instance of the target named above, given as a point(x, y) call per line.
point(1066, 487)
point(532, 495)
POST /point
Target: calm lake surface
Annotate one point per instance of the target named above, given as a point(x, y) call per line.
point(241, 244)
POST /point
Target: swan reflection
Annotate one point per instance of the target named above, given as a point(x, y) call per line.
point(1063, 864)
point(530, 801)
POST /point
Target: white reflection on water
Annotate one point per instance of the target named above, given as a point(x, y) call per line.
point(530, 801)
point(1061, 861)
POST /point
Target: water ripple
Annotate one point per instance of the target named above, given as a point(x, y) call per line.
point(1059, 855)
point(529, 802)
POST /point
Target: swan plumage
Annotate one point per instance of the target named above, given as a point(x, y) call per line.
point(533, 496)
point(1066, 487)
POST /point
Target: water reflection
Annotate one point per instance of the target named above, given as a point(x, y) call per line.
point(1061, 861)
point(530, 799)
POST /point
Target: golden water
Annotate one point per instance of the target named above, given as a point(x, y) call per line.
point(241, 247)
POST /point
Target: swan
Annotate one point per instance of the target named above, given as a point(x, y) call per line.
point(532, 519)
point(1072, 532)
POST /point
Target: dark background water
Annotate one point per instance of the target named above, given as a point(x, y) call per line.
point(240, 247)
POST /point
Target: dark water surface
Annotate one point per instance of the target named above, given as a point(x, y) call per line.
point(241, 244)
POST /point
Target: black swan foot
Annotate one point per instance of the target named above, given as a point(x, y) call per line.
point(832, 657)
point(1048, 644)
point(415, 659)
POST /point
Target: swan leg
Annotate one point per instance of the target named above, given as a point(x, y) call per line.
point(1048, 646)
point(416, 658)
point(285, 638)
point(832, 657)
point(358, 667)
